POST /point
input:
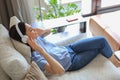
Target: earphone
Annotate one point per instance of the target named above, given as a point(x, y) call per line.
point(23, 37)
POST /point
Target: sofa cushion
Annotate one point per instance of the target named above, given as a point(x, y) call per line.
point(11, 61)
point(3, 75)
point(22, 48)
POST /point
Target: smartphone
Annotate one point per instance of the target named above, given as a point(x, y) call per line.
point(117, 55)
point(71, 19)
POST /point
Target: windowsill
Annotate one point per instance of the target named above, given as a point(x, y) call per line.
point(62, 21)
point(59, 22)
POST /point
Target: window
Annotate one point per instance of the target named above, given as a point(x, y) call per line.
point(87, 7)
point(44, 10)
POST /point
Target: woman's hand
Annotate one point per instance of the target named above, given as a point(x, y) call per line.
point(33, 43)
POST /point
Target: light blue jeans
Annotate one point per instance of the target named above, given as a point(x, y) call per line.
point(84, 51)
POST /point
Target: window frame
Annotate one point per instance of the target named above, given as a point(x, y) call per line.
point(96, 7)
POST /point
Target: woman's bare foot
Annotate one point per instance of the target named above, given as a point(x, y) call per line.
point(115, 60)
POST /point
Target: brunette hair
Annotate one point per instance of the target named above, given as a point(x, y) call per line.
point(14, 34)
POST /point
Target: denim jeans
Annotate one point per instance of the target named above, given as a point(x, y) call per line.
point(84, 51)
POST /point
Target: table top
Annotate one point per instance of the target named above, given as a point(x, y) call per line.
point(62, 21)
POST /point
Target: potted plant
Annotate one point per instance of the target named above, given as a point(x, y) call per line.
point(56, 10)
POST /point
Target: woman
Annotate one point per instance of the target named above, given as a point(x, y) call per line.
point(58, 59)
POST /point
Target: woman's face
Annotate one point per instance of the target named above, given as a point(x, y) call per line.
point(31, 32)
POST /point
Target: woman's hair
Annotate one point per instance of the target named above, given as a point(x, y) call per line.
point(14, 34)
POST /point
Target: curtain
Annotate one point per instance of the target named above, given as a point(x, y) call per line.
point(23, 9)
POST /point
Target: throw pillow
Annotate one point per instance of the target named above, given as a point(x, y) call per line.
point(34, 73)
point(11, 61)
point(22, 48)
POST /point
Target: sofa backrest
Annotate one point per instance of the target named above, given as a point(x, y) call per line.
point(12, 63)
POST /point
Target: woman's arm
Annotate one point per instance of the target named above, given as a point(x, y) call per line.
point(52, 66)
point(46, 32)
point(43, 32)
